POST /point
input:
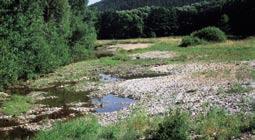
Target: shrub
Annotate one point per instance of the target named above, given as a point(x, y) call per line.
point(174, 127)
point(211, 34)
point(217, 124)
point(190, 41)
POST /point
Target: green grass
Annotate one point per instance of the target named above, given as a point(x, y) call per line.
point(238, 88)
point(229, 51)
point(253, 74)
point(82, 128)
point(218, 124)
point(132, 128)
point(16, 105)
point(88, 128)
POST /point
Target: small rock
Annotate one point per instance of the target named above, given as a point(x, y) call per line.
point(3, 96)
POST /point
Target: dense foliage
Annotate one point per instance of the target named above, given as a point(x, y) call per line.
point(210, 34)
point(107, 5)
point(174, 127)
point(38, 36)
point(202, 36)
point(231, 16)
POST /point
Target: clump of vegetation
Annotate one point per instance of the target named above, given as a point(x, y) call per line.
point(244, 73)
point(210, 34)
point(238, 88)
point(122, 55)
point(248, 122)
point(16, 105)
point(191, 41)
point(81, 128)
point(132, 128)
point(218, 124)
point(175, 126)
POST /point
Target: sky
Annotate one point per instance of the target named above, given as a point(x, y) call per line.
point(93, 1)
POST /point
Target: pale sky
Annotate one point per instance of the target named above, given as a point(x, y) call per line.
point(93, 1)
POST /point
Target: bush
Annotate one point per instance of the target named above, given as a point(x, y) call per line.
point(190, 41)
point(217, 124)
point(174, 127)
point(211, 34)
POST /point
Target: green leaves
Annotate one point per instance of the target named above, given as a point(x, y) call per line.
point(36, 37)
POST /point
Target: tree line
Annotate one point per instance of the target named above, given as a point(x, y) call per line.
point(107, 5)
point(232, 16)
point(38, 36)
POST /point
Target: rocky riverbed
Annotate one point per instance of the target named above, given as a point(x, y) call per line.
point(193, 87)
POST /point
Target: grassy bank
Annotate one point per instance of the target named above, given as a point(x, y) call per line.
point(216, 124)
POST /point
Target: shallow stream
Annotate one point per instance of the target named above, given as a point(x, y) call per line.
point(58, 104)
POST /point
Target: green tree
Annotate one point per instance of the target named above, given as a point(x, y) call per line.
point(162, 21)
point(35, 36)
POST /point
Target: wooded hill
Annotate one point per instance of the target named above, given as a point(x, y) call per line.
point(107, 5)
point(232, 16)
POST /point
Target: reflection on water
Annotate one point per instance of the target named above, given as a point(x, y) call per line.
point(111, 103)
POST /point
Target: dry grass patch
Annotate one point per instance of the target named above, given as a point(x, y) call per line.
point(138, 40)
point(154, 55)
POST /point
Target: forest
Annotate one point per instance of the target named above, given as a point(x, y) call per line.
point(160, 21)
point(108, 5)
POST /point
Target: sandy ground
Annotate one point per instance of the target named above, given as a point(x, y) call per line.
point(130, 46)
point(154, 55)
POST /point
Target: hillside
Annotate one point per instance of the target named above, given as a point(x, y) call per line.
point(106, 5)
